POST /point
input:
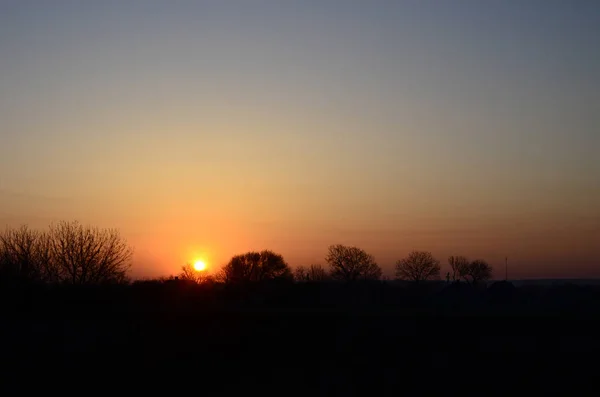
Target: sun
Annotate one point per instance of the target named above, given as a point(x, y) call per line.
point(199, 266)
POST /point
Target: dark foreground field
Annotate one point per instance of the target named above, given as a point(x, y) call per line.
point(324, 340)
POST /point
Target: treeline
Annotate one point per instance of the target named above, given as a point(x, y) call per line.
point(345, 264)
point(71, 253)
point(90, 265)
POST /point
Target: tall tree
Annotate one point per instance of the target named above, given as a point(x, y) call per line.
point(458, 264)
point(351, 264)
point(418, 266)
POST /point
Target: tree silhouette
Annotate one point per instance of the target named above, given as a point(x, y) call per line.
point(351, 263)
point(88, 255)
point(314, 273)
point(68, 253)
point(458, 265)
point(188, 273)
point(25, 255)
point(256, 266)
point(477, 271)
point(418, 266)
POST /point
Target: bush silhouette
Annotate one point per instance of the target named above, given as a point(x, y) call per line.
point(188, 273)
point(314, 273)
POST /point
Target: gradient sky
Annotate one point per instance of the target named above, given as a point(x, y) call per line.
point(209, 128)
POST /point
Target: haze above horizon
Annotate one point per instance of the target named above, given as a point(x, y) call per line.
point(206, 129)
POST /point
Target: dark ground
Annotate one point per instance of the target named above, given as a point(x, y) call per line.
point(311, 339)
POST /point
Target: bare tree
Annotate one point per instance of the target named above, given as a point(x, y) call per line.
point(256, 266)
point(418, 266)
point(188, 273)
point(87, 255)
point(301, 274)
point(314, 273)
point(477, 271)
point(458, 265)
point(351, 264)
point(25, 255)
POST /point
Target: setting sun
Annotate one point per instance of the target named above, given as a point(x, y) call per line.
point(199, 266)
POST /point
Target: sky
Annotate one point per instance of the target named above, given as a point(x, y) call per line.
point(204, 129)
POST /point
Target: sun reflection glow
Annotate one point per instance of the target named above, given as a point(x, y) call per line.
point(199, 266)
